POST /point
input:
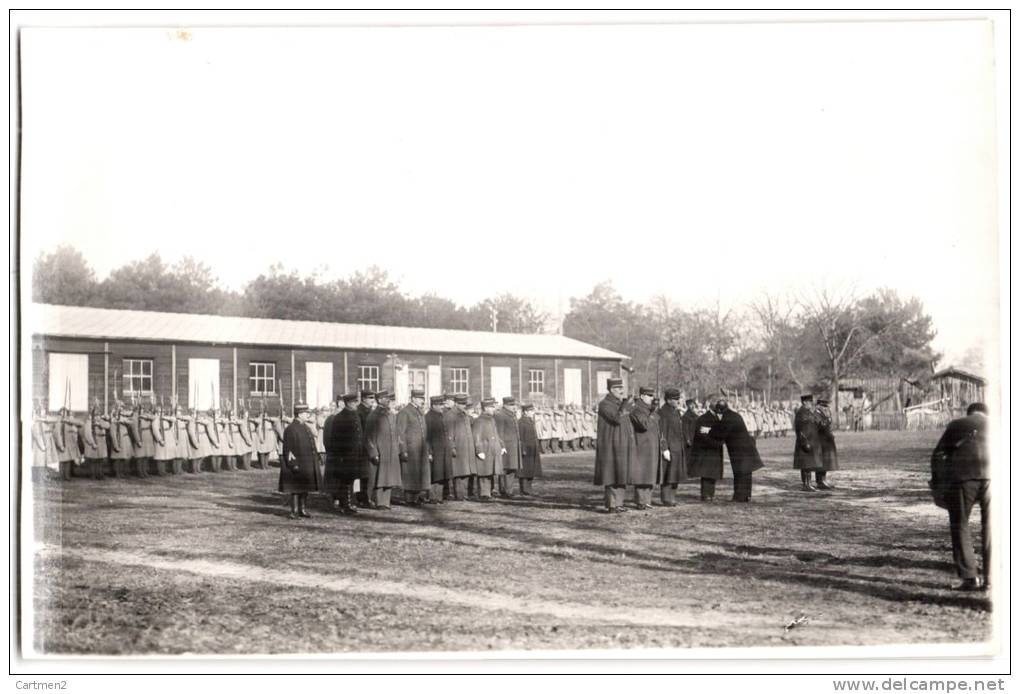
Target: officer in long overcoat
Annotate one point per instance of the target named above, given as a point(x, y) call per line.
point(830, 460)
point(645, 467)
point(383, 450)
point(807, 446)
point(616, 447)
point(299, 463)
point(706, 460)
point(346, 459)
point(506, 427)
point(531, 451)
point(674, 447)
point(461, 446)
point(365, 407)
point(415, 453)
point(489, 450)
point(439, 445)
point(690, 426)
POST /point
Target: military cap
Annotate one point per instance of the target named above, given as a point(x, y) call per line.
point(527, 407)
point(437, 399)
point(349, 397)
point(690, 401)
point(807, 397)
point(382, 394)
point(460, 399)
point(509, 400)
point(645, 390)
point(417, 393)
point(300, 407)
point(672, 394)
point(489, 402)
point(613, 382)
point(823, 401)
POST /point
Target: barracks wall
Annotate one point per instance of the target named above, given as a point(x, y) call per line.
point(265, 375)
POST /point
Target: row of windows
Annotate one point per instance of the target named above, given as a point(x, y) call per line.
point(137, 379)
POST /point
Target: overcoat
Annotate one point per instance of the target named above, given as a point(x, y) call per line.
point(299, 468)
point(644, 468)
point(163, 438)
point(559, 430)
point(964, 446)
point(487, 441)
point(589, 424)
point(531, 455)
point(671, 428)
point(506, 427)
point(807, 446)
point(346, 459)
point(415, 467)
point(830, 461)
point(147, 449)
point(266, 440)
point(541, 429)
point(707, 449)
point(383, 448)
point(242, 435)
point(439, 444)
point(97, 448)
point(690, 426)
point(740, 446)
point(462, 442)
point(616, 447)
point(363, 412)
point(71, 452)
point(40, 436)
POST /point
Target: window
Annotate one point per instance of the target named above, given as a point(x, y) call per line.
point(368, 378)
point(137, 377)
point(261, 378)
point(459, 381)
point(536, 381)
point(417, 379)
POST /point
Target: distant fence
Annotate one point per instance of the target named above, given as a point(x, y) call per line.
point(918, 418)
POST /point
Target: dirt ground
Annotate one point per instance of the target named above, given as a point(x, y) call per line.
point(211, 564)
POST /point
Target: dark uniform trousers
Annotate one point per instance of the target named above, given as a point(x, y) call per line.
point(960, 500)
point(615, 495)
point(667, 492)
point(707, 488)
point(459, 486)
point(643, 494)
point(742, 487)
point(506, 483)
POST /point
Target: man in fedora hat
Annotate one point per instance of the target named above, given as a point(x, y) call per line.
point(616, 447)
point(299, 465)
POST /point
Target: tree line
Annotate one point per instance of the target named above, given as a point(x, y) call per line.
point(772, 348)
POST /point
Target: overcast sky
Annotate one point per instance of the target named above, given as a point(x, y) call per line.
point(695, 161)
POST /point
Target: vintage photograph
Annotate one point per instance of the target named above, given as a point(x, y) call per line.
point(672, 338)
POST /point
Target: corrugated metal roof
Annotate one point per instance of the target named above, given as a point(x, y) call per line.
point(117, 324)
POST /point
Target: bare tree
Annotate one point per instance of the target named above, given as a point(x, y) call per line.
point(774, 316)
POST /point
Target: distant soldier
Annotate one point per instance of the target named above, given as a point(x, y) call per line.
point(558, 429)
point(674, 447)
point(571, 430)
point(645, 466)
point(807, 448)
point(506, 427)
point(531, 454)
point(439, 445)
point(299, 467)
point(542, 430)
point(588, 429)
point(124, 437)
point(365, 407)
point(228, 443)
point(462, 447)
point(96, 450)
point(67, 440)
point(830, 459)
point(707, 452)
point(265, 437)
point(144, 417)
point(241, 431)
point(44, 450)
point(415, 452)
point(616, 447)
point(217, 441)
point(383, 451)
point(163, 441)
point(489, 450)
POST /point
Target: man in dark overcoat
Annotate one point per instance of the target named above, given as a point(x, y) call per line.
point(807, 447)
point(439, 445)
point(383, 451)
point(415, 453)
point(346, 460)
point(365, 407)
point(531, 450)
point(299, 464)
point(645, 466)
point(830, 460)
point(506, 427)
point(462, 447)
point(690, 426)
point(706, 459)
point(960, 479)
point(742, 451)
point(489, 450)
point(674, 448)
point(615, 446)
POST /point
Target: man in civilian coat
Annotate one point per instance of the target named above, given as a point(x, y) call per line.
point(830, 460)
point(706, 459)
point(807, 446)
point(299, 463)
point(674, 447)
point(461, 446)
point(645, 466)
point(531, 451)
point(742, 451)
point(383, 451)
point(690, 426)
point(615, 448)
point(489, 450)
point(439, 445)
point(506, 427)
point(960, 479)
point(365, 408)
point(346, 459)
point(415, 453)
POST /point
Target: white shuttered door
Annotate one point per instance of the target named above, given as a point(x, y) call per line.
point(572, 386)
point(69, 380)
point(499, 383)
point(319, 386)
point(204, 383)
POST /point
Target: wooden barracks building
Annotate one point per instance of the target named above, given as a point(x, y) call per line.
point(84, 355)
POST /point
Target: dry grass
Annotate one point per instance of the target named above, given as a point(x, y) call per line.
point(866, 564)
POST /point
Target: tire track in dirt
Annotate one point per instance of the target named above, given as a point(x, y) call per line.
point(486, 600)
